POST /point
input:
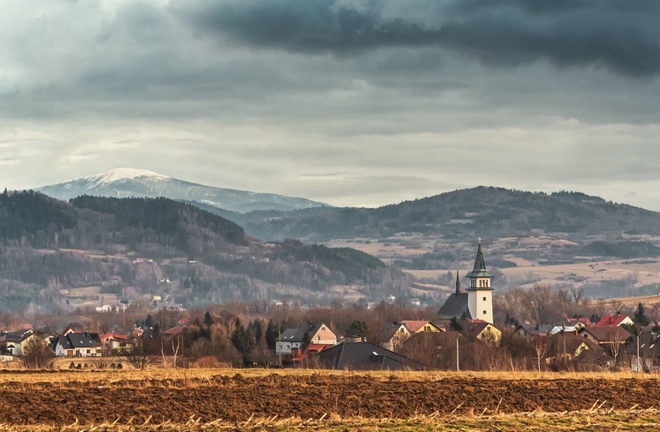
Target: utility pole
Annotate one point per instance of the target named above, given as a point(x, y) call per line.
point(458, 356)
point(638, 366)
point(279, 340)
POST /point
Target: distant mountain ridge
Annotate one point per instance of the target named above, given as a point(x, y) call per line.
point(488, 212)
point(129, 182)
point(440, 231)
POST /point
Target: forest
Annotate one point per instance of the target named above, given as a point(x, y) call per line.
point(133, 247)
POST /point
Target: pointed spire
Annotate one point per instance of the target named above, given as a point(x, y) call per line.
point(479, 269)
point(458, 284)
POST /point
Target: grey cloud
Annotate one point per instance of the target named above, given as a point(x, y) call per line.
point(624, 40)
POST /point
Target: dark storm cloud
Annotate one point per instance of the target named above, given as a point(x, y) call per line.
point(621, 37)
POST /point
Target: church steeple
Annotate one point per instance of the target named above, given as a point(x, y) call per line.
point(480, 292)
point(458, 284)
point(479, 270)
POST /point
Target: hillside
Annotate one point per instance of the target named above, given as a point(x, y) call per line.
point(520, 230)
point(483, 211)
point(94, 250)
point(129, 182)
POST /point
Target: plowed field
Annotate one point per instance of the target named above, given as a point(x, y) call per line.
point(61, 398)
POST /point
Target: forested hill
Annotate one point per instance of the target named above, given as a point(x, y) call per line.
point(482, 211)
point(131, 246)
point(35, 220)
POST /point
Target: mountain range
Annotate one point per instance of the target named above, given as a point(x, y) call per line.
point(129, 182)
point(521, 231)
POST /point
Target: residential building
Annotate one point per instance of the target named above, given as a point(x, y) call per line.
point(402, 330)
point(361, 356)
point(614, 321)
point(484, 331)
point(294, 339)
point(78, 345)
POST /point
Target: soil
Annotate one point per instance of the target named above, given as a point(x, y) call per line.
point(64, 400)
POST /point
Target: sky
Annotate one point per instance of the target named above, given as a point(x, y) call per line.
point(350, 102)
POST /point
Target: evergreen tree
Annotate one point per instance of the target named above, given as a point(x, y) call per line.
point(256, 329)
point(357, 329)
point(306, 340)
point(149, 322)
point(242, 341)
point(640, 317)
point(208, 319)
point(272, 333)
point(455, 325)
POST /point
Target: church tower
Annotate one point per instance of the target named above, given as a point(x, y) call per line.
point(480, 292)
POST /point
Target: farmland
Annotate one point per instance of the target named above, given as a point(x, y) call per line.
point(326, 400)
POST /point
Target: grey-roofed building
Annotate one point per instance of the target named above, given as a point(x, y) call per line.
point(78, 345)
point(361, 356)
point(648, 347)
point(456, 306)
point(292, 339)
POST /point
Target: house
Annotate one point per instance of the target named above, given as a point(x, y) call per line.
point(416, 326)
point(614, 321)
point(406, 328)
point(484, 331)
point(361, 356)
point(310, 350)
point(612, 339)
point(78, 345)
point(564, 328)
point(292, 339)
point(477, 301)
point(531, 331)
point(14, 341)
point(115, 342)
point(570, 348)
point(397, 337)
point(644, 352)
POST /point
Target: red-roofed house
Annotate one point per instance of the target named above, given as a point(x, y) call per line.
point(614, 321)
point(309, 351)
point(115, 342)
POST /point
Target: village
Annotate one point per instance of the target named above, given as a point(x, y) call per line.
point(461, 335)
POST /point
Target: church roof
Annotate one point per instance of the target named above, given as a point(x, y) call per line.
point(479, 270)
point(456, 306)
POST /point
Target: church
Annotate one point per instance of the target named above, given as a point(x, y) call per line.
point(477, 302)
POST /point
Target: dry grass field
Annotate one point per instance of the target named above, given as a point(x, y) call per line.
point(287, 400)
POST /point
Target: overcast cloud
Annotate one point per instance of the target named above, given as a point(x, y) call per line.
point(351, 102)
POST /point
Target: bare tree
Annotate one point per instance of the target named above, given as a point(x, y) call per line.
point(37, 354)
point(541, 348)
point(578, 295)
point(139, 357)
point(540, 304)
point(615, 344)
point(176, 346)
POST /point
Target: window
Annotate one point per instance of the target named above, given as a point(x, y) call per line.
point(484, 312)
point(484, 298)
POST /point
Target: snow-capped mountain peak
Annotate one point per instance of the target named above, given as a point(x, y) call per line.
point(131, 182)
point(122, 174)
